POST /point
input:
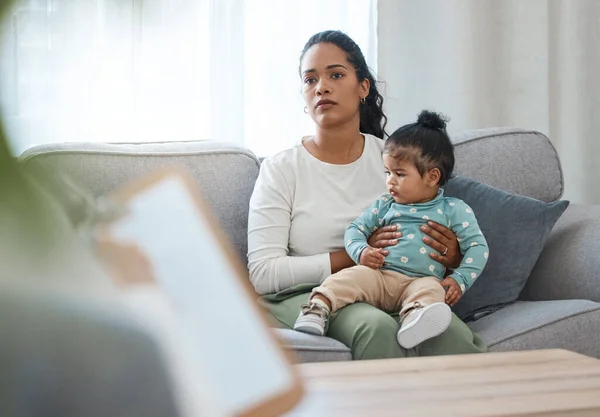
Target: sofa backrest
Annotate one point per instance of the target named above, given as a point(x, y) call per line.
point(518, 161)
point(225, 173)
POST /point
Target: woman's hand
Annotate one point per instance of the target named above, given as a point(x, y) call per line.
point(128, 264)
point(384, 237)
point(443, 240)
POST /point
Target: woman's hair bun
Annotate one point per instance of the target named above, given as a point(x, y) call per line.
point(432, 120)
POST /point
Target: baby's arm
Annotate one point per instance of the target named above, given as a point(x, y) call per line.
point(355, 238)
point(472, 243)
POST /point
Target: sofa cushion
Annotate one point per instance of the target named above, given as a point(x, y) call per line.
point(563, 324)
point(519, 161)
point(225, 173)
point(309, 348)
point(515, 228)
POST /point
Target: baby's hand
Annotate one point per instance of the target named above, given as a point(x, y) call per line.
point(453, 291)
point(371, 257)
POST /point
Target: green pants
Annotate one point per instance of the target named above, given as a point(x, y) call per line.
point(369, 332)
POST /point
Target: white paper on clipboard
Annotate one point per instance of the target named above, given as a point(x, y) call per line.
point(229, 351)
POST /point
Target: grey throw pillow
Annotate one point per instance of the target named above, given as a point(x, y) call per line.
point(516, 229)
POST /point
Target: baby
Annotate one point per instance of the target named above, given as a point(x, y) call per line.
point(418, 159)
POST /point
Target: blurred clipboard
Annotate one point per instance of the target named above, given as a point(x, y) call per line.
point(226, 360)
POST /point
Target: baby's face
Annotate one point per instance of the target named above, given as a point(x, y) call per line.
point(404, 182)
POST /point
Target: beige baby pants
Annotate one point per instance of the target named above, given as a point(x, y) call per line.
point(387, 290)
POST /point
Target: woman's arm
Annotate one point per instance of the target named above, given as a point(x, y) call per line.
point(269, 222)
point(340, 260)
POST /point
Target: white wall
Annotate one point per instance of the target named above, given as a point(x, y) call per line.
point(486, 63)
point(464, 58)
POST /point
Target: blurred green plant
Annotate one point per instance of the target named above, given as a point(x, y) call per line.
point(27, 214)
point(8, 167)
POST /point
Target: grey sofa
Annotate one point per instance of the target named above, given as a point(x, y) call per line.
point(559, 307)
point(66, 357)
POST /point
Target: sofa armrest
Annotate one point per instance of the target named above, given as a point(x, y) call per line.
point(569, 266)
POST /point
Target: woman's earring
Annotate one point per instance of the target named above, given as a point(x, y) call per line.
point(305, 109)
point(363, 100)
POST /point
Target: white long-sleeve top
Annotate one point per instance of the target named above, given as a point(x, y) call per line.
point(300, 209)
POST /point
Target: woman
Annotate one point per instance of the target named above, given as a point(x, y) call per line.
point(305, 198)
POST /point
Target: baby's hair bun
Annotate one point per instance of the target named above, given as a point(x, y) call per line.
point(432, 120)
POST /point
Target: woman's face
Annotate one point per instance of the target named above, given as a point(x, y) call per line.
point(330, 88)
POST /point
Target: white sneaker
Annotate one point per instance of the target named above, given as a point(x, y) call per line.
point(312, 319)
point(422, 323)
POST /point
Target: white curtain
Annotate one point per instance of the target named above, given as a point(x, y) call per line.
point(165, 70)
point(531, 64)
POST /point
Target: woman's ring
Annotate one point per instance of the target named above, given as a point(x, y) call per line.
point(445, 251)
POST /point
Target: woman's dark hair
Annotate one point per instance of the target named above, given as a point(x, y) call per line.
point(425, 143)
point(372, 118)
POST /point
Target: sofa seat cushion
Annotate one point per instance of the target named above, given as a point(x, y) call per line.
point(564, 324)
point(309, 348)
